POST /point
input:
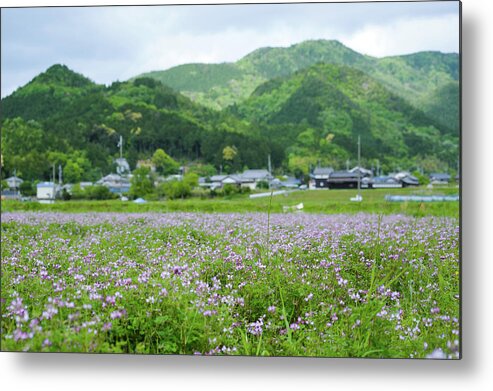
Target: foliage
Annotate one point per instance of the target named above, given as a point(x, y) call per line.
point(174, 189)
point(165, 165)
point(415, 77)
point(147, 114)
point(202, 170)
point(229, 153)
point(141, 184)
point(99, 192)
point(219, 284)
point(324, 109)
point(27, 189)
point(191, 179)
point(303, 105)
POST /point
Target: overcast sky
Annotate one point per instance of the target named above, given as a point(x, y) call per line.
point(115, 43)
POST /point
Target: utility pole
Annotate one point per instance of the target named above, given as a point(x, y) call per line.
point(60, 174)
point(120, 144)
point(120, 173)
point(269, 164)
point(17, 191)
point(54, 187)
point(359, 166)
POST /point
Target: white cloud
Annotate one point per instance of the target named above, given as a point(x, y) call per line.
point(116, 43)
point(407, 36)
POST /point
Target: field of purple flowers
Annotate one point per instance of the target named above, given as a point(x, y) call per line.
point(231, 284)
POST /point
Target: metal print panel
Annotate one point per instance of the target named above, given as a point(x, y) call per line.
point(243, 179)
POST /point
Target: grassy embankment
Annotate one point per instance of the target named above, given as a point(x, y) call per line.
point(322, 201)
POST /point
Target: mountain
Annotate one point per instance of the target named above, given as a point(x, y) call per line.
point(61, 116)
point(412, 77)
point(220, 85)
point(48, 91)
point(302, 105)
point(318, 113)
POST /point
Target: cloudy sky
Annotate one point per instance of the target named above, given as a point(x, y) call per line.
point(116, 43)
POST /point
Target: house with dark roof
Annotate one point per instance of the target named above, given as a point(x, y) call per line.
point(439, 178)
point(406, 179)
point(343, 180)
point(321, 177)
point(257, 175)
point(291, 182)
point(115, 183)
point(364, 173)
point(218, 181)
point(385, 182)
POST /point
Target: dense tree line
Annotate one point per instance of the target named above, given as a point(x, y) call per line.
point(81, 131)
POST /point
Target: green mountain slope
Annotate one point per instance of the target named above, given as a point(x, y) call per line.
point(60, 117)
point(319, 112)
point(412, 77)
point(443, 104)
point(43, 95)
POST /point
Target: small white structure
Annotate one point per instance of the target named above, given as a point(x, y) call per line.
point(122, 166)
point(46, 192)
point(14, 182)
point(294, 208)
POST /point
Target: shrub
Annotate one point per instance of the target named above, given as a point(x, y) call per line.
point(263, 185)
point(99, 193)
point(27, 189)
point(174, 189)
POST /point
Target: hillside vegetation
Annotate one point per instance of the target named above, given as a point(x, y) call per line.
point(304, 105)
point(50, 121)
point(413, 77)
point(319, 112)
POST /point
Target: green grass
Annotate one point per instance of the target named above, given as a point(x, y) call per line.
point(321, 201)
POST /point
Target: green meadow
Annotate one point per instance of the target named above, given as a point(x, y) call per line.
point(314, 201)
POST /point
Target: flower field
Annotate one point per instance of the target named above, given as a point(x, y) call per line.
point(231, 284)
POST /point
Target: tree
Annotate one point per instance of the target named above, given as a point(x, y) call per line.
point(206, 170)
point(27, 189)
point(140, 184)
point(23, 148)
point(174, 189)
point(191, 179)
point(164, 163)
point(77, 167)
point(99, 192)
point(229, 153)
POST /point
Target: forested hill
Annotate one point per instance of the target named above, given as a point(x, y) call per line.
point(318, 113)
point(63, 118)
point(415, 77)
point(313, 116)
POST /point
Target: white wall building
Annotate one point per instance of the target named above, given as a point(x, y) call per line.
point(46, 192)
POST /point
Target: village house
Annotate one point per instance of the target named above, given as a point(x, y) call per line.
point(12, 192)
point(343, 180)
point(291, 182)
point(321, 177)
point(14, 182)
point(385, 182)
point(117, 184)
point(249, 178)
point(46, 192)
point(439, 178)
